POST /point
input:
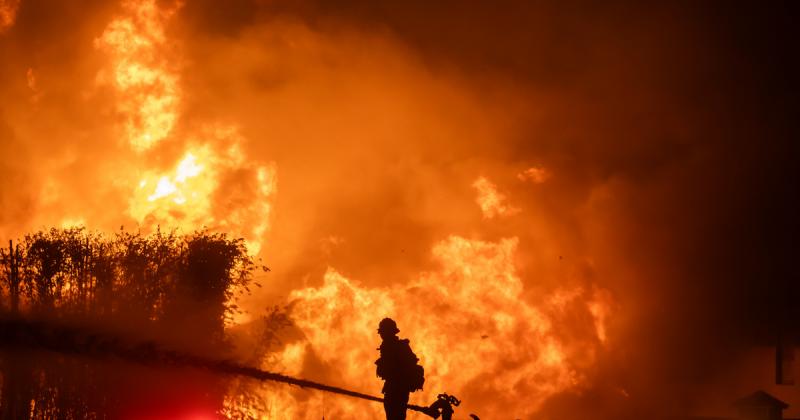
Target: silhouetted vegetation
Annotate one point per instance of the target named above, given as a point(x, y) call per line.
point(164, 287)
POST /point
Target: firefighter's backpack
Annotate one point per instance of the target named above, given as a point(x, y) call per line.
point(415, 377)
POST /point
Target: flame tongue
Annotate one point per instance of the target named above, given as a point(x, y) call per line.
point(8, 13)
point(141, 72)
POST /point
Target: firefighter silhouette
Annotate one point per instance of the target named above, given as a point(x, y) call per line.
point(398, 367)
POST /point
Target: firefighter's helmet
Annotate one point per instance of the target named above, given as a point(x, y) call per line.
point(387, 325)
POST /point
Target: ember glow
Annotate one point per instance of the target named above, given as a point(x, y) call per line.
point(551, 202)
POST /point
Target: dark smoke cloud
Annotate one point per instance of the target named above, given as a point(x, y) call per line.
point(669, 131)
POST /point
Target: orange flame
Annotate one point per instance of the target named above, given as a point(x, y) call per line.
point(491, 201)
point(210, 186)
point(8, 13)
point(141, 73)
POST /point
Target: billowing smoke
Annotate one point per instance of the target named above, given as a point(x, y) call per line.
point(632, 162)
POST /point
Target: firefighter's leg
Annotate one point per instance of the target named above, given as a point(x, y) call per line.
point(395, 405)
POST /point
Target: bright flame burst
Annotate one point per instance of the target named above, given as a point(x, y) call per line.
point(211, 184)
point(475, 333)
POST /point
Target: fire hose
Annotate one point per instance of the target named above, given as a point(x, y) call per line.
point(16, 333)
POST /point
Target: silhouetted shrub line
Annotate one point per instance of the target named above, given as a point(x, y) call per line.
point(176, 289)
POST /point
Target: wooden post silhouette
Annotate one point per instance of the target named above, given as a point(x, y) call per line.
point(14, 276)
point(13, 399)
